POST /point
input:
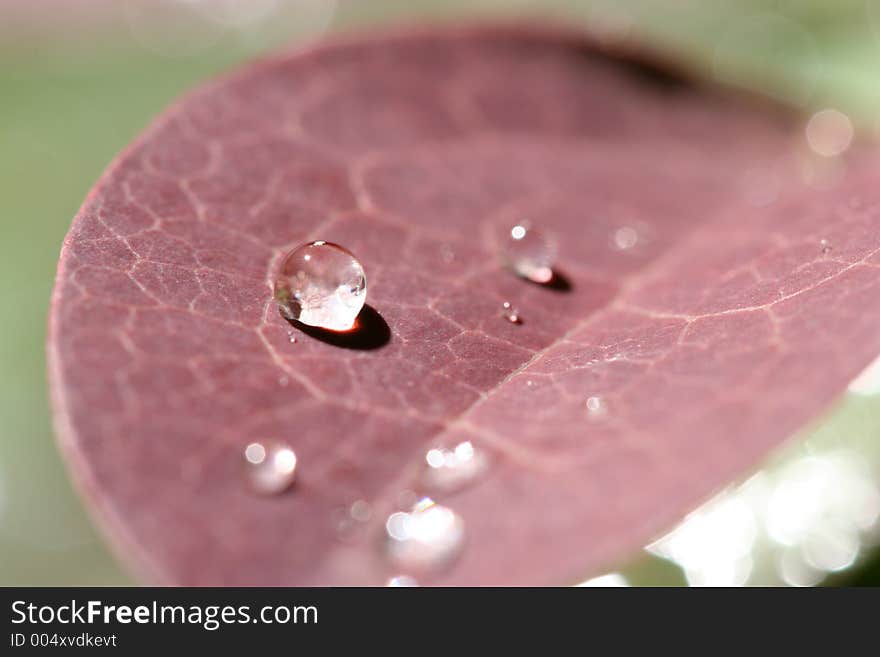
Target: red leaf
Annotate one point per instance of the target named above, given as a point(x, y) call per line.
point(722, 330)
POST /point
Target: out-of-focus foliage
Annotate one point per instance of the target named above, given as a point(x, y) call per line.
point(80, 78)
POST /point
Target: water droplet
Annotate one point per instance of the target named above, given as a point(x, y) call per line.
point(829, 132)
point(321, 284)
point(283, 381)
point(452, 469)
point(825, 246)
point(511, 314)
point(529, 253)
point(401, 581)
point(595, 406)
point(270, 467)
point(291, 337)
point(625, 238)
point(361, 511)
point(426, 538)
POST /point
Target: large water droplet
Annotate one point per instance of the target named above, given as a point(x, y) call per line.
point(270, 467)
point(530, 253)
point(452, 469)
point(321, 284)
point(426, 538)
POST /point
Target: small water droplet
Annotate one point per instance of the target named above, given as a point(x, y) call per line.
point(625, 238)
point(427, 537)
point(283, 381)
point(270, 467)
point(291, 338)
point(401, 581)
point(595, 406)
point(511, 314)
point(452, 469)
point(530, 253)
point(361, 511)
point(829, 132)
point(825, 246)
point(321, 284)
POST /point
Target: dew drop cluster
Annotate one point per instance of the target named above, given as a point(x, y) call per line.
point(323, 285)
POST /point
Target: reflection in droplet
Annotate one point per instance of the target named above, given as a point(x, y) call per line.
point(321, 284)
point(448, 470)
point(270, 467)
point(510, 313)
point(426, 538)
point(402, 581)
point(829, 132)
point(825, 247)
point(625, 238)
point(529, 252)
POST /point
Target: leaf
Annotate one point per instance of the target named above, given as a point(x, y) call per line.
point(711, 329)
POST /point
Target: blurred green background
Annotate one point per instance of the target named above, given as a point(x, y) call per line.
point(80, 78)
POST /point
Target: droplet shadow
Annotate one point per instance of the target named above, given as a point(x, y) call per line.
point(370, 331)
point(559, 283)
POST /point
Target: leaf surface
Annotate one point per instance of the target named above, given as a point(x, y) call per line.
point(713, 327)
